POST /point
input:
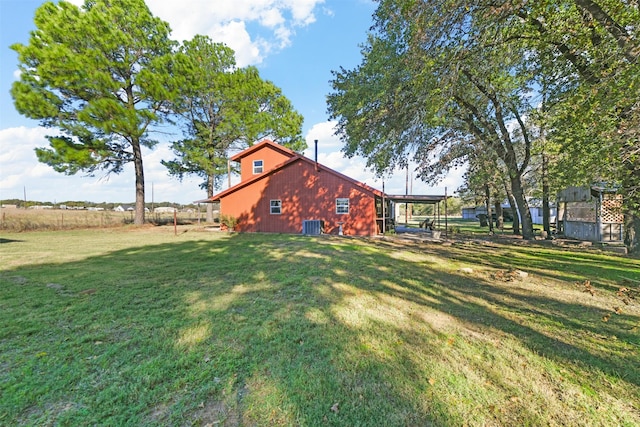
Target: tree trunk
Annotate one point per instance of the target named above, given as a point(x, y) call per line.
point(499, 214)
point(210, 181)
point(487, 192)
point(631, 187)
point(632, 232)
point(514, 210)
point(546, 212)
point(138, 218)
point(523, 208)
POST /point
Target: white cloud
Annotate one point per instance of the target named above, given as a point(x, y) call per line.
point(324, 132)
point(17, 145)
point(272, 18)
point(234, 34)
point(302, 10)
point(20, 171)
point(226, 22)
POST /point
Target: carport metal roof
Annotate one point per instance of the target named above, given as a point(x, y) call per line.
point(416, 198)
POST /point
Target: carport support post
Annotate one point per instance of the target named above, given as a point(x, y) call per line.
point(446, 222)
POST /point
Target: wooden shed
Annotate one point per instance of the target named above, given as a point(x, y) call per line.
point(591, 213)
point(281, 191)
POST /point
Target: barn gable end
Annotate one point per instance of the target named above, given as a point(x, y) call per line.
point(293, 189)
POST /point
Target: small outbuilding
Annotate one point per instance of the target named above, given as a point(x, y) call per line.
point(591, 213)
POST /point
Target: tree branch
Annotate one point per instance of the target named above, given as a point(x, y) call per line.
point(477, 132)
point(496, 105)
point(616, 30)
point(527, 141)
point(575, 60)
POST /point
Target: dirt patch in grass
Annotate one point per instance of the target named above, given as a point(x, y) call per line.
point(216, 413)
point(226, 412)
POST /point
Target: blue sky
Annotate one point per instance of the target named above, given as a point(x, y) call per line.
point(294, 43)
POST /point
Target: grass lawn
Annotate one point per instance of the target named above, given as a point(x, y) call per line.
point(141, 327)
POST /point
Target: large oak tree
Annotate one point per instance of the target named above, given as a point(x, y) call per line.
point(100, 77)
point(428, 84)
point(438, 74)
point(587, 53)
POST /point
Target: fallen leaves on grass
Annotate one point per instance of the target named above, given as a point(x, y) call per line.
point(335, 407)
point(586, 287)
point(627, 295)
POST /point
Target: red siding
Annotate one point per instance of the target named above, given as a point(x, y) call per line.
point(305, 194)
point(270, 157)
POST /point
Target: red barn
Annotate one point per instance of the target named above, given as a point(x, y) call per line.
point(281, 192)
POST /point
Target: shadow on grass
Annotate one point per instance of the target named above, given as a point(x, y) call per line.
point(274, 330)
point(3, 240)
point(536, 257)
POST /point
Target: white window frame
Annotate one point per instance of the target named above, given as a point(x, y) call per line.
point(341, 204)
point(258, 169)
point(277, 206)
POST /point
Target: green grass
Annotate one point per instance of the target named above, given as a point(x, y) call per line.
point(141, 327)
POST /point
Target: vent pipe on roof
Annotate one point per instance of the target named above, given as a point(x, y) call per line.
point(316, 154)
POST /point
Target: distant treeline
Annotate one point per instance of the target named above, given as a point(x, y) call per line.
point(71, 204)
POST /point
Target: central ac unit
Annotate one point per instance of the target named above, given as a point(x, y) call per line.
point(312, 227)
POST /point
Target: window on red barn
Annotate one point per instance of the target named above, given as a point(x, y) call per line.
point(258, 166)
point(275, 207)
point(342, 206)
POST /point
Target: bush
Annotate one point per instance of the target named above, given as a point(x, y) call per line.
point(228, 221)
